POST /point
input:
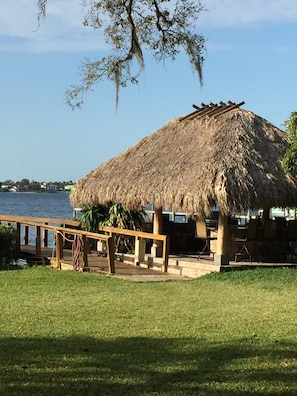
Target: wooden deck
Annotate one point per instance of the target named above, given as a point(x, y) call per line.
point(179, 268)
point(184, 266)
point(99, 265)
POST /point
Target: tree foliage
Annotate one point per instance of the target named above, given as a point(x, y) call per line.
point(163, 28)
point(290, 159)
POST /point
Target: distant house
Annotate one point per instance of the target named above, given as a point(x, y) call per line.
point(51, 188)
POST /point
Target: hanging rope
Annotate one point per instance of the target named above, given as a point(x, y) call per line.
point(77, 251)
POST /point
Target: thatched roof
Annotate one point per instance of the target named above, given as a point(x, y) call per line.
point(233, 160)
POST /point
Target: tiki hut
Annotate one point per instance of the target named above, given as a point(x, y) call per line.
point(218, 154)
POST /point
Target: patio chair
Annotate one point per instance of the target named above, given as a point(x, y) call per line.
point(251, 235)
point(203, 233)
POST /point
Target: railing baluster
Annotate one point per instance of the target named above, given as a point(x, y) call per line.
point(38, 241)
point(59, 248)
point(45, 236)
point(110, 254)
point(18, 242)
point(26, 235)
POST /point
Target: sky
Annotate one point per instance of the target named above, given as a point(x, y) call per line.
point(251, 56)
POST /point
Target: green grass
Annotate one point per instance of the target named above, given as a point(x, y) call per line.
point(67, 333)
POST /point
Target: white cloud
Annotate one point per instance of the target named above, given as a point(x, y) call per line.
point(61, 30)
point(236, 13)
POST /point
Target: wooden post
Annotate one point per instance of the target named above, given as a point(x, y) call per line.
point(59, 248)
point(45, 237)
point(18, 242)
point(221, 256)
point(165, 254)
point(26, 235)
point(38, 241)
point(266, 214)
point(157, 229)
point(86, 247)
point(139, 250)
point(110, 255)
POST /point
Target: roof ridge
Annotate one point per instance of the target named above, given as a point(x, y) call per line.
point(212, 109)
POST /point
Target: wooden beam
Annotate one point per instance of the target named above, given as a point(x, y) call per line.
point(211, 110)
point(139, 234)
point(234, 106)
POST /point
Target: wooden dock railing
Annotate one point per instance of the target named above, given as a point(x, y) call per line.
point(60, 232)
point(140, 235)
point(63, 227)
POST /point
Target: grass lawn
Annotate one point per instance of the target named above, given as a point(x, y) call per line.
point(67, 333)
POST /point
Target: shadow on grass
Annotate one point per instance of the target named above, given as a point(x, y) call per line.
point(144, 366)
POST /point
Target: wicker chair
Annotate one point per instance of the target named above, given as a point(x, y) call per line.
point(203, 233)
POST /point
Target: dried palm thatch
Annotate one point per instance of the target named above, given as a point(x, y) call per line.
point(233, 160)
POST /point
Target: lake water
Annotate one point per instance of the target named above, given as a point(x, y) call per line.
point(53, 205)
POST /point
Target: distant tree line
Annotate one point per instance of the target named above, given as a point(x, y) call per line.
point(27, 185)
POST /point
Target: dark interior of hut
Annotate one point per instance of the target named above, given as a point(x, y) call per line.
point(250, 239)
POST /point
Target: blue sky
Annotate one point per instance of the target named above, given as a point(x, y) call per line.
point(251, 56)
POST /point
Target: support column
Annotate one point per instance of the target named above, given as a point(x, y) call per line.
point(156, 250)
point(266, 214)
point(221, 256)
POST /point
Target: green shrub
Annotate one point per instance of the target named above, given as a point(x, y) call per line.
point(8, 245)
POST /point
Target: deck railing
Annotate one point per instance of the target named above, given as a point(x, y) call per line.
point(60, 232)
point(140, 236)
point(63, 227)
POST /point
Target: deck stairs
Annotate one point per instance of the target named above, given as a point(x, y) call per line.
point(186, 266)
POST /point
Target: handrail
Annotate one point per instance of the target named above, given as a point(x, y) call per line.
point(45, 223)
point(21, 219)
point(140, 234)
point(59, 231)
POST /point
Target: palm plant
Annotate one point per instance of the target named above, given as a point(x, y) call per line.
point(92, 216)
point(119, 216)
point(113, 215)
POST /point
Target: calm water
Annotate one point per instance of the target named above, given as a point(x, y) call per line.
point(54, 205)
